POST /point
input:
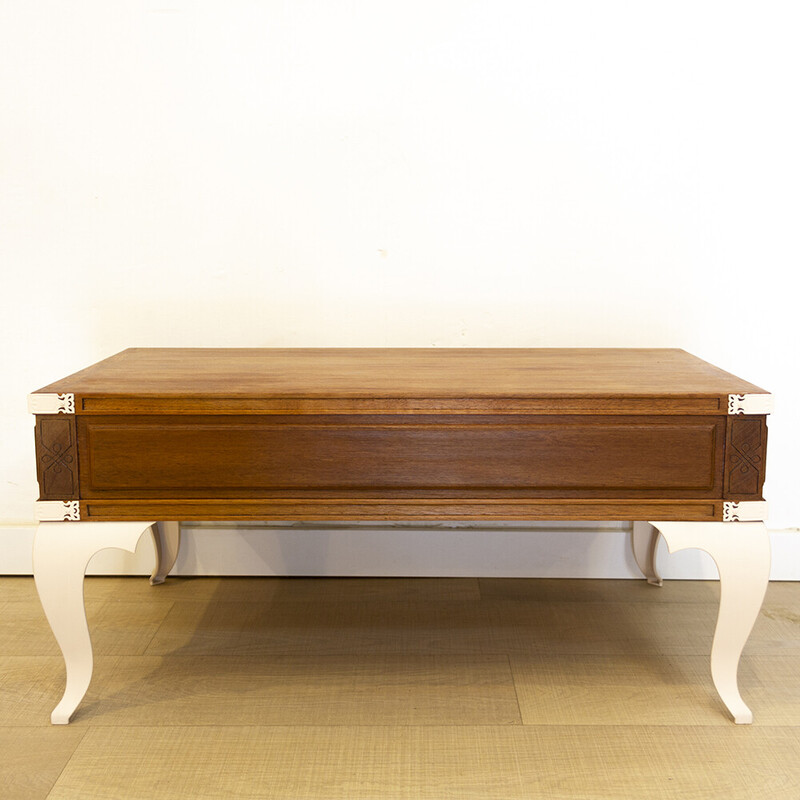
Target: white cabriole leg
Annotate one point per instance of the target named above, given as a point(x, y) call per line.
point(61, 553)
point(644, 541)
point(167, 539)
point(741, 552)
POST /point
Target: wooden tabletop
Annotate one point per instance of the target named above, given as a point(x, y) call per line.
point(401, 373)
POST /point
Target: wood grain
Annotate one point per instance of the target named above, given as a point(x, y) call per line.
point(400, 405)
point(647, 689)
point(342, 509)
point(33, 758)
point(312, 689)
point(401, 434)
point(433, 763)
point(330, 627)
point(208, 376)
point(364, 689)
point(121, 627)
point(257, 590)
point(559, 590)
point(250, 457)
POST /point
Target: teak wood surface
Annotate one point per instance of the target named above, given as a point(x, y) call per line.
point(488, 434)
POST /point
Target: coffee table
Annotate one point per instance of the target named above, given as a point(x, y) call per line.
point(151, 437)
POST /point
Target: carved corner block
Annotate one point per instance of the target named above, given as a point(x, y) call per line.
point(58, 510)
point(56, 457)
point(746, 511)
point(745, 457)
point(46, 403)
point(750, 404)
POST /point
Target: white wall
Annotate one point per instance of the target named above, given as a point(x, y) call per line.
point(431, 173)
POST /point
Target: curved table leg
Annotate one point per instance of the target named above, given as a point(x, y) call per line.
point(61, 553)
point(741, 552)
point(644, 541)
point(167, 539)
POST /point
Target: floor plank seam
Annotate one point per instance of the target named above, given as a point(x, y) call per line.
point(514, 685)
point(66, 764)
point(158, 628)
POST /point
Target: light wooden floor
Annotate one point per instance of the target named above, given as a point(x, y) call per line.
point(346, 689)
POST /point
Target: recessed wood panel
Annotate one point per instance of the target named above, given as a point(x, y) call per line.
point(56, 457)
point(745, 457)
point(221, 405)
point(350, 509)
point(207, 457)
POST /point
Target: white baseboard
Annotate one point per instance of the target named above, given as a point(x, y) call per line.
point(536, 550)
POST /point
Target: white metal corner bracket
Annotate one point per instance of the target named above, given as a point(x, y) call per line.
point(58, 510)
point(750, 403)
point(746, 511)
point(46, 403)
